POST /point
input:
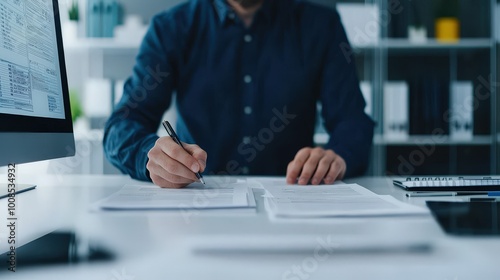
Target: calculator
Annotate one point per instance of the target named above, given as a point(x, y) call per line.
point(460, 184)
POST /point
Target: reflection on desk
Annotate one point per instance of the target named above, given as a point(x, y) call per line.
point(467, 218)
point(56, 248)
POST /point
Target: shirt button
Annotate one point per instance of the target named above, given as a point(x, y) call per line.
point(248, 110)
point(231, 15)
point(245, 170)
point(248, 38)
point(247, 79)
point(247, 140)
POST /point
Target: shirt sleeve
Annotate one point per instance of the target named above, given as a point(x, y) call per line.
point(349, 128)
point(131, 130)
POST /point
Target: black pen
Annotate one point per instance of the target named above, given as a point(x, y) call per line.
point(172, 134)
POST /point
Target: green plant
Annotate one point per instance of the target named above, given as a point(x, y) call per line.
point(447, 8)
point(75, 105)
point(74, 11)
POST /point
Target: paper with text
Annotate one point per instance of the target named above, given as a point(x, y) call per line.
point(332, 200)
point(214, 195)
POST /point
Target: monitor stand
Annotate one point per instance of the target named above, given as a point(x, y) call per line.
point(20, 188)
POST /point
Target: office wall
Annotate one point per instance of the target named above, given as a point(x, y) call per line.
point(147, 11)
point(148, 8)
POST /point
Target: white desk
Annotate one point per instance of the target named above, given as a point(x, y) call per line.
point(164, 245)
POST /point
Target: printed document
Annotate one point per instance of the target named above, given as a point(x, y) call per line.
point(339, 200)
point(214, 195)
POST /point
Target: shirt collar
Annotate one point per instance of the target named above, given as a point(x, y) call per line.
point(225, 12)
point(222, 9)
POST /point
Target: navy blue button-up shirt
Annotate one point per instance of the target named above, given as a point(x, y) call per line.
point(247, 96)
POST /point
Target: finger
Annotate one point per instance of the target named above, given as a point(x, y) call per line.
point(343, 167)
point(158, 159)
point(295, 167)
point(162, 183)
point(166, 184)
point(323, 167)
point(334, 172)
point(178, 179)
point(310, 166)
point(158, 170)
point(176, 152)
point(289, 178)
point(199, 154)
point(159, 181)
point(173, 167)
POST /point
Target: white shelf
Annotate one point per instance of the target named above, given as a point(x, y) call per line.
point(109, 44)
point(414, 140)
point(480, 43)
point(430, 44)
point(102, 58)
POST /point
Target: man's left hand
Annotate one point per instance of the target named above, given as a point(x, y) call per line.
point(315, 165)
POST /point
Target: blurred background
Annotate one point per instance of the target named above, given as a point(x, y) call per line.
point(427, 70)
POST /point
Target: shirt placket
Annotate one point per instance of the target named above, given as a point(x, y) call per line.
point(249, 80)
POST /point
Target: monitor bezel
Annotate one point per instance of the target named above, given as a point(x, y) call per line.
point(17, 123)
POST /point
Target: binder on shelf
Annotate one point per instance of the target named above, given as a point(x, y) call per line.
point(366, 90)
point(396, 119)
point(399, 23)
point(461, 110)
point(429, 99)
point(94, 19)
point(102, 18)
point(497, 21)
point(437, 91)
point(109, 17)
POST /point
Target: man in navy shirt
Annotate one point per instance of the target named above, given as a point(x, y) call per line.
point(248, 75)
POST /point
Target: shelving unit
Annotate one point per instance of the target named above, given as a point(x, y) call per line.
point(432, 44)
point(432, 140)
point(472, 58)
point(448, 154)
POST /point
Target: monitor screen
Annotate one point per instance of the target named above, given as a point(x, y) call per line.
point(35, 119)
point(30, 78)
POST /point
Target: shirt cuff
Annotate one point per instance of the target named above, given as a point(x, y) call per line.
point(142, 159)
point(347, 156)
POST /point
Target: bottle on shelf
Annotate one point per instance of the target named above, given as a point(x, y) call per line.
point(447, 24)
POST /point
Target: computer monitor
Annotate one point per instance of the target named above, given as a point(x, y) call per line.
point(35, 116)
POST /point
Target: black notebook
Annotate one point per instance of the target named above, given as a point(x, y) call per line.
point(456, 184)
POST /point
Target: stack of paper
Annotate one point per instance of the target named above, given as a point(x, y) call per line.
point(462, 110)
point(215, 195)
point(396, 110)
point(367, 91)
point(340, 200)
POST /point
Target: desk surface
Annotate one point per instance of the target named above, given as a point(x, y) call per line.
point(201, 245)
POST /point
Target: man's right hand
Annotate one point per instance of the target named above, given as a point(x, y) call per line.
point(170, 166)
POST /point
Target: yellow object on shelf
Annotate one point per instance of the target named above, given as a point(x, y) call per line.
point(447, 29)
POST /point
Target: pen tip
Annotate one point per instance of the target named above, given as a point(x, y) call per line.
point(203, 181)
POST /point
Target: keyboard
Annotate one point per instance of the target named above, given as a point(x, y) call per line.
point(460, 184)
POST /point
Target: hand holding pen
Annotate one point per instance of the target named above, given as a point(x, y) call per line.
point(173, 164)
